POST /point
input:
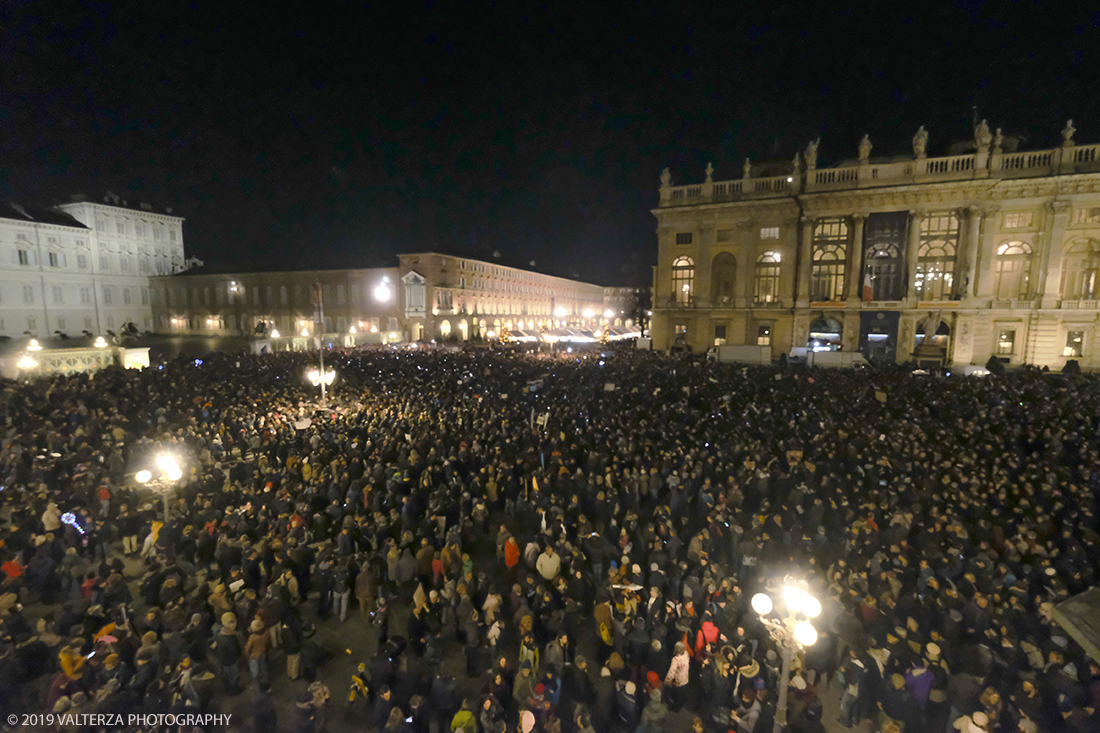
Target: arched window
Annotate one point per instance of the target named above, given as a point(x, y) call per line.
point(830, 252)
point(1079, 270)
point(723, 270)
point(1012, 271)
point(939, 239)
point(827, 271)
point(935, 270)
point(766, 281)
point(683, 280)
point(825, 334)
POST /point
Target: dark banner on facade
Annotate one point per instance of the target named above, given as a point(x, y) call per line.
point(884, 256)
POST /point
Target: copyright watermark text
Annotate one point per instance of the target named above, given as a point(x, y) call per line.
point(107, 720)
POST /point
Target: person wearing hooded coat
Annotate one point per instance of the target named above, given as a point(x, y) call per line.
point(626, 707)
point(654, 714)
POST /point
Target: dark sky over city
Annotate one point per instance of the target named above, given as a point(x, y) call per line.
point(332, 134)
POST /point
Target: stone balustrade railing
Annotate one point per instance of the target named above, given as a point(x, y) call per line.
point(868, 174)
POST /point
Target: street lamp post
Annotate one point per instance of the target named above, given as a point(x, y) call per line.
point(792, 630)
point(168, 473)
point(323, 379)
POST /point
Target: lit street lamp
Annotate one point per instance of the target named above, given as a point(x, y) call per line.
point(321, 378)
point(792, 631)
point(169, 472)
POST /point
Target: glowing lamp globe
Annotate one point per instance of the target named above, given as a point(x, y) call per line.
point(142, 477)
point(382, 293)
point(811, 607)
point(762, 604)
point(794, 598)
point(805, 633)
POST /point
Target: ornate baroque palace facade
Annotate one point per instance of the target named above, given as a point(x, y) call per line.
point(992, 252)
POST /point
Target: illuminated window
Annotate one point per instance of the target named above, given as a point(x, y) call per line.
point(1075, 344)
point(1006, 342)
point(683, 279)
point(719, 335)
point(1079, 270)
point(766, 281)
point(764, 335)
point(830, 253)
point(1018, 220)
point(1012, 271)
point(769, 233)
point(935, 276)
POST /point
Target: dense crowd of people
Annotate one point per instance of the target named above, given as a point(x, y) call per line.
point(549, 543)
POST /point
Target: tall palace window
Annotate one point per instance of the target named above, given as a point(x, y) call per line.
point(1012, 271)
point(766, 281)
point(830, 251)
point(1079, 269)
point(939, 241)
point(683, 280)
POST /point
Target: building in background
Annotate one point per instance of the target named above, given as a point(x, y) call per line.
point(992, 252)
point(83, 267)
point(428, 296)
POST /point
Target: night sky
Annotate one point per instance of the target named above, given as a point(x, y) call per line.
point(338, 134)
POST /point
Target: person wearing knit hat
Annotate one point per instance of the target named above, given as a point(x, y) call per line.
point(228, 650)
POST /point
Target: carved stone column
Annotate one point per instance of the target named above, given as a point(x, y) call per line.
point(912, 248)
point(707, 235)
point(746, 264)
point(805, 255)
point(986, 251)
point(1054, 229)
point(855, 260)
point(973, 245)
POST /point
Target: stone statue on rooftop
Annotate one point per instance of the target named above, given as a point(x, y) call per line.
point(982, 136)
point(1067, 133)
point(811, 154)
point(920, 142)
point(998, 141)
point(709, 171)
point(865, 149)
point(666, 178)
point(747, 168)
